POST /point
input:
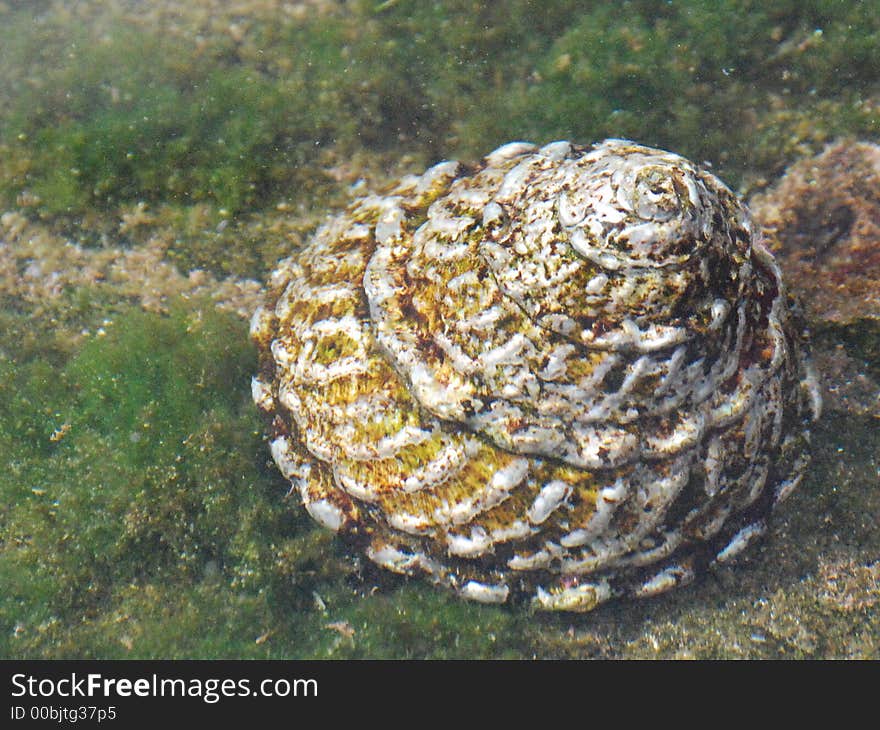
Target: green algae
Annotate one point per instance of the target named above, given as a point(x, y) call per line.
point(136, 462)
point(139, 114)
point(138, 122)
point(741, 84)
point(140, 516)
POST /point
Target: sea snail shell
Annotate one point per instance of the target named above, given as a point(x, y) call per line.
point(567, 372)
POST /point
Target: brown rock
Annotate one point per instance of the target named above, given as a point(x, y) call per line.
point(822, 222)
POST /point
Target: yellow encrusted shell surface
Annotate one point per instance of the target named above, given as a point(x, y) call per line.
point(566, 372)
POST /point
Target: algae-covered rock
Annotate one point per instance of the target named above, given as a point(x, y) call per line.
point(822, 220)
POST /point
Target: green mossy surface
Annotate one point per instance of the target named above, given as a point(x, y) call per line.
point(135, 116)
point(140, 517)
point(98, 114)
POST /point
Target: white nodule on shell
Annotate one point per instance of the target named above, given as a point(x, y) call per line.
point(579, 598)
point(605, 259)
point(508, 152)
point(484, 593)
point(515, 181)
point(515, 531)
point(389, 446)
point(410, 524)
point(556, 150)
point(493, 214)
point(259, 322)
point(814, 390)
point(288, 460)
point(720, 310)
point(606, 504)
point(261, 393)
point(326, 513)
point(549, 499)
point(596, 284)
point(786, 487)
point(281, 353)
point(507, 353)
point(535, 561)
point(390, 224)
point(510, 476)
point(688, 432)
point(463, 546)
point(570, 214)
point(439, 173)
point(740, 541)
point(399, 561)
point(666, 579)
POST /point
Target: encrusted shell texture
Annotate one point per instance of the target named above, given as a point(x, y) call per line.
point(566, 372)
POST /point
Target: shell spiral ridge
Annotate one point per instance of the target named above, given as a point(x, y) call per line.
point(566, 372)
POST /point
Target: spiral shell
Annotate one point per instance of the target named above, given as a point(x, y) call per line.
point(566, 372)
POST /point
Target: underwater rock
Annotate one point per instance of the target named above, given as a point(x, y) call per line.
point(822, 221)
point(565, 372)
